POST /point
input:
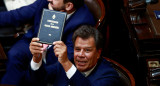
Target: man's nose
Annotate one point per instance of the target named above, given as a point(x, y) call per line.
point(82, 53)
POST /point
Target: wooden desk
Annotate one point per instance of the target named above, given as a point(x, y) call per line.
point(155, 23)
point(148, 27)
point(146, 30)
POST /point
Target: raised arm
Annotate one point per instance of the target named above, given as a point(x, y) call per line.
point(60, 50)
point(19, 16)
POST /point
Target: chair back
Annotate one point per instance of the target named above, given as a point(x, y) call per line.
point(97, 8)
point(126, 78)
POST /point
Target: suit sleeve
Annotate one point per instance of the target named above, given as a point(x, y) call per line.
point(44, 75)
point(18, 16)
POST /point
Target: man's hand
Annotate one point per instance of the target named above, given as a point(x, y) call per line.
point(36, 50)
point(60, 50)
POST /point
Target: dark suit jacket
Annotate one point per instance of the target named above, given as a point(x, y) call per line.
point(102, 75)
point(33, 12)
point(20, 54)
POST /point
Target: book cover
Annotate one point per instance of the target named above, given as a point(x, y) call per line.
point(157, 14)
point(51, 26)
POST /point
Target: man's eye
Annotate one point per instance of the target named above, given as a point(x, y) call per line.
point(77, 49)
point(87, 50)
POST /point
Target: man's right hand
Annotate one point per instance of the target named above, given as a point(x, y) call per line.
point(36, 50)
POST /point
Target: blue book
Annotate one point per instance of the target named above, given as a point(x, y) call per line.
point(51, 26)
point(157, 14)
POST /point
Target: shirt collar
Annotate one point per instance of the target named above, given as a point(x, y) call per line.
point(69, 15)
point(89, 71)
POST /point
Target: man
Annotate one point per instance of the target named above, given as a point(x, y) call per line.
point(91, 69)
point(19, 55)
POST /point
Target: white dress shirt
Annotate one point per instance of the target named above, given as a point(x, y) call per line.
point(73, 69)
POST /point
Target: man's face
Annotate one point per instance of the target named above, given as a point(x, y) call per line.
point(85, 54)
point(57, 5)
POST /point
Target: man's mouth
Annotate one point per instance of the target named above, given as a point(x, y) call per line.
point(81, 63)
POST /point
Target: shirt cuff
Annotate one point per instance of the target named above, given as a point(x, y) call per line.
point(71, 71)
point(35, 66)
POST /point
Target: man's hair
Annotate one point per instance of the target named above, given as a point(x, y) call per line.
point(87, 31)
point(77, 3)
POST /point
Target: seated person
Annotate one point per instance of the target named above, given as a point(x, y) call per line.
point(87, 68)
point(19, 56)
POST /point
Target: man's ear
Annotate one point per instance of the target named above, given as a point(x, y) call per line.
point(99, 53)
point(69, 6)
